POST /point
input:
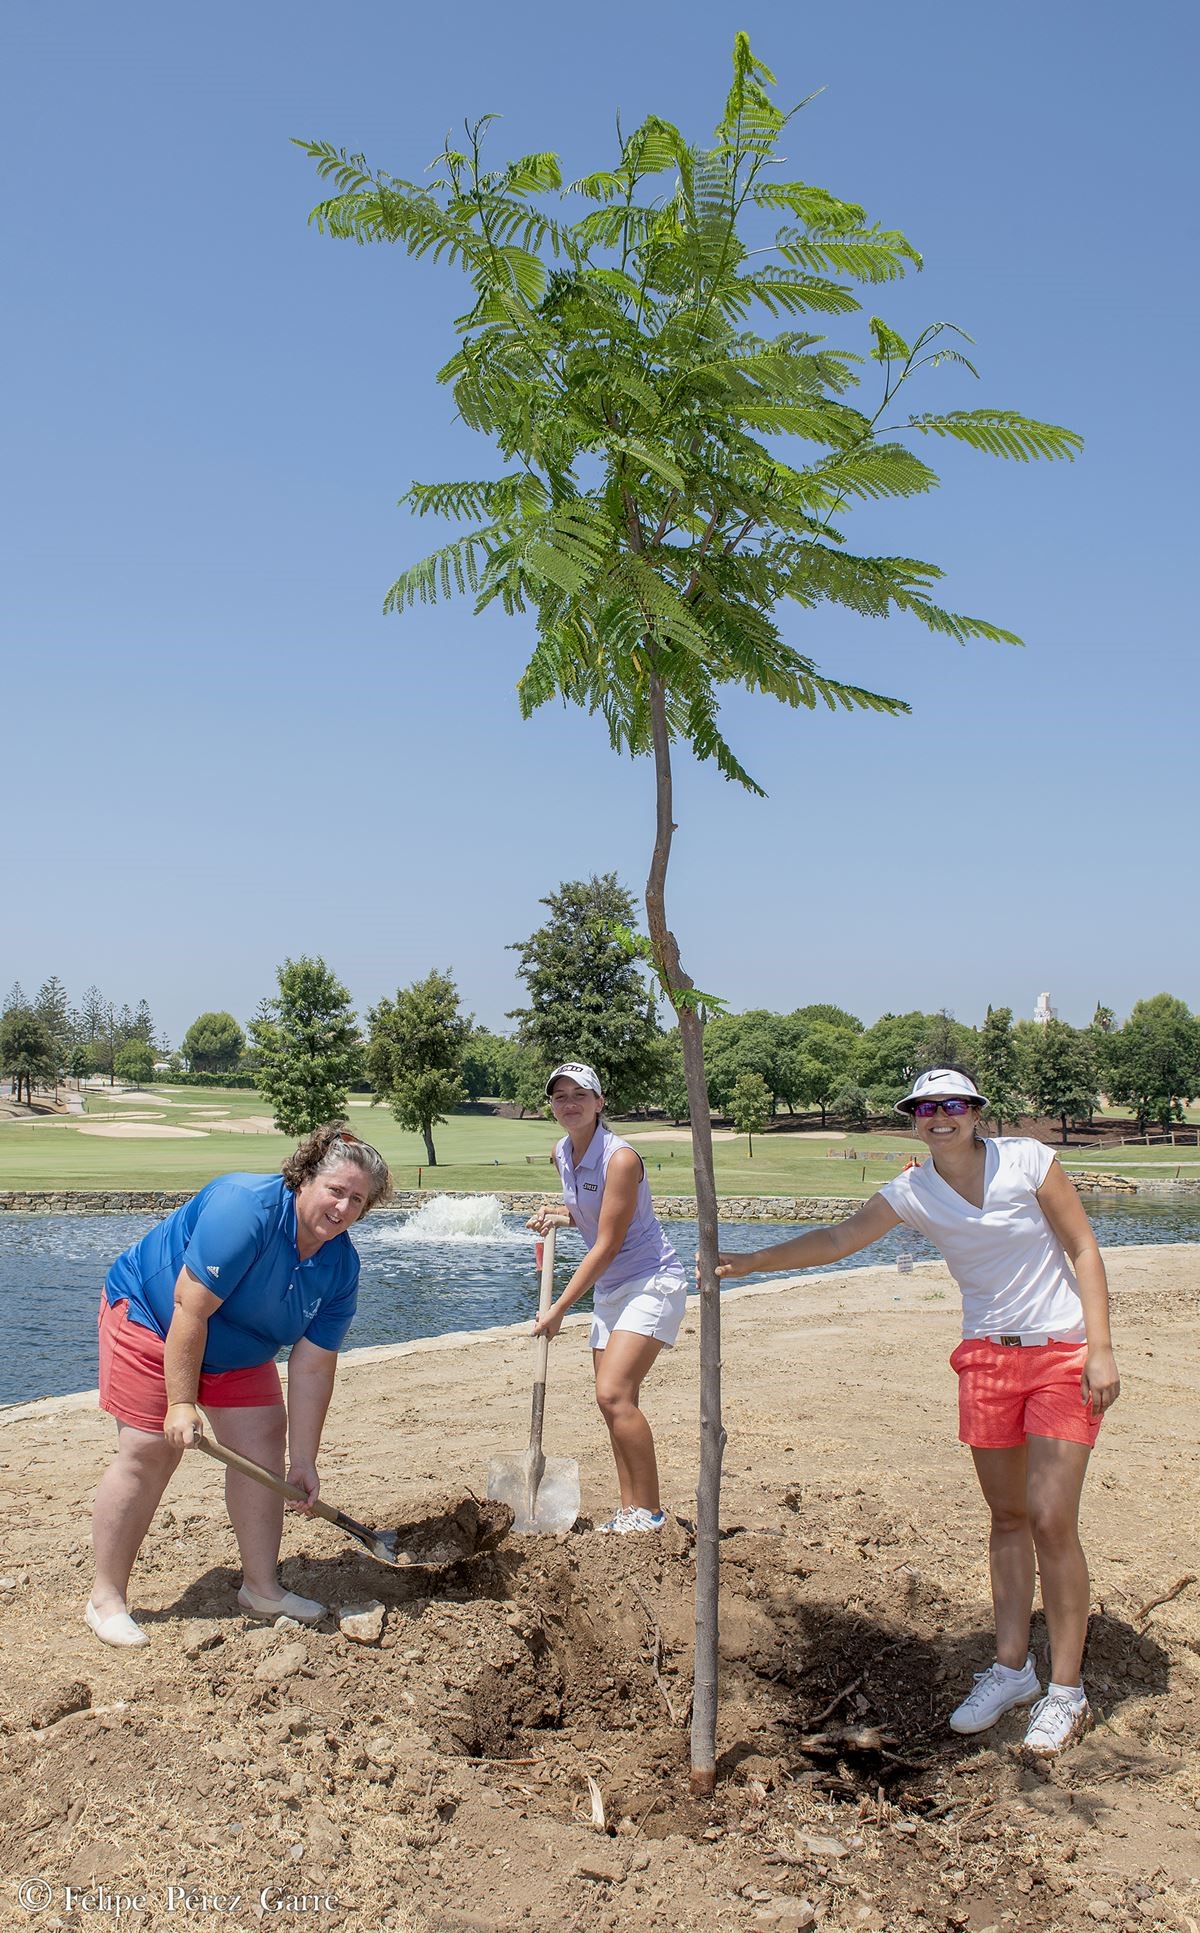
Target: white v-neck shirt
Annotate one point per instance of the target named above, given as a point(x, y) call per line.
point(1009, 1265)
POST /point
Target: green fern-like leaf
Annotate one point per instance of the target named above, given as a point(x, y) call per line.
point(1002, 432)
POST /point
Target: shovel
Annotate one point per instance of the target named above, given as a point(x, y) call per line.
point(542, 1492)
point(382, 1544)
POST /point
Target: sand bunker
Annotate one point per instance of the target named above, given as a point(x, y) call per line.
point(249, 1124)
point(143, 1131)
point(680, 1134)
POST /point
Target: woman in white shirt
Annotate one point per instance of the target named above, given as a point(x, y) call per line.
point(1036, 1374)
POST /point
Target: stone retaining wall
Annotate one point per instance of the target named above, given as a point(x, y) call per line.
point(142, 1201)
point(735, 1208)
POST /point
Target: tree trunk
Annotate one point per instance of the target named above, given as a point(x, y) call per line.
point(1063, 1122)
point(712, 1433)
point(430, 1151)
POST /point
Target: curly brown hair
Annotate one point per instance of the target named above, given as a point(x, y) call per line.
point(329, 1146)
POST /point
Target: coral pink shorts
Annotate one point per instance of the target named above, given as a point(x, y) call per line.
point(1006, 1394)
point(131, 1375)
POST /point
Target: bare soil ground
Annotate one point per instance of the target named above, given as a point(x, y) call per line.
point(511, 1755)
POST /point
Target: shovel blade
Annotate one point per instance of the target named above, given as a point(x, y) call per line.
point(544, 1504)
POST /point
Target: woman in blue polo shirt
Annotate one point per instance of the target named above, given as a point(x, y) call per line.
point(640, 1288)
point(192, 1318)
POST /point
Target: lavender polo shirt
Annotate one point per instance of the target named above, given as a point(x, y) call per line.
point(645, 1250)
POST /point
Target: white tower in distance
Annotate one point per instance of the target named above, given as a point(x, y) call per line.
point(1043, 1011)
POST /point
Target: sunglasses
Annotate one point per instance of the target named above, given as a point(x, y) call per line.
point(925, 1110)
point(356, 1141)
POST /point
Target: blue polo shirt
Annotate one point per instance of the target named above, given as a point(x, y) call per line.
point(238, 1238)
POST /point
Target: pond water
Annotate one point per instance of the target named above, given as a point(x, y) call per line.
point(452, 1265)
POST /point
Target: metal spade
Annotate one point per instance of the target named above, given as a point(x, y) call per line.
point(542, 1492)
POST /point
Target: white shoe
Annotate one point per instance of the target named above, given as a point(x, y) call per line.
point(305, 1610)
point(1056, 1721)
point(117, 1628)
point(634, 1518)
point(995, 1692)
point(613, 1524)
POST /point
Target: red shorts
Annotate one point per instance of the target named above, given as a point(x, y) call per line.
point(131, 1375)
point(1006, 1394)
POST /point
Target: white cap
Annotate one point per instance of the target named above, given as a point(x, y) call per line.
point(940, 1084)
point(581, 1074)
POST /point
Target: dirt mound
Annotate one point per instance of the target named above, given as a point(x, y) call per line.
point(514, 1749)
point(510, 1754)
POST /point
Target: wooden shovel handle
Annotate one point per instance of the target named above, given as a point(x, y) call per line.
point(545, 1298)
point(268, 1477)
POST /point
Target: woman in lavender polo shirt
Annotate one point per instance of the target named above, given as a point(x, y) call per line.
point(640, 1288)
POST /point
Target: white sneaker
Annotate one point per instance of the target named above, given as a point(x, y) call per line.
point(635, 1518)
point(995, 1692)
point(615, 1523)
point(1056, 1721)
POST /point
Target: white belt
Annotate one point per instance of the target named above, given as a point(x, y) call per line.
point(1028, 1341)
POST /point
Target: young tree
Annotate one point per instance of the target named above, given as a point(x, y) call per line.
point(999, 1072)
point(415, 1052)
point(646, 513)
point(750, 1107)
point(26, 1049)
point(213, 1044)
point(1152, 1063)
point(588, 999)
point(135, 1062)
point(309, 1046)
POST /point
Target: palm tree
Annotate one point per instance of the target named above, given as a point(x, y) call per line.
point(646, 515)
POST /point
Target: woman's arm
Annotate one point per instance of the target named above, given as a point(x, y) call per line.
point(1058, 1199)
point(311, 1371)
point(621, 1182)
point(817, 1245)
point(183, 1358)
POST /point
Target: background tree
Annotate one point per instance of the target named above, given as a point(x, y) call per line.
point(522, 1077)
point(54, 1007)
point(647, 513)
point(588, 1000)
point(213, 1044)
point(310, 1053)
point(823, 1060)
point(1058, 1070)
point(27, 1052)
point(672, 1093)
point(135, 1062)
point(750, 1107)
point(79, 1063)
point(887, 1055)
point(852, 1106)
point(414, 1054)
point(1152, 1063)
point(998, 1067)
point(947, 1043)
point(480, 1064)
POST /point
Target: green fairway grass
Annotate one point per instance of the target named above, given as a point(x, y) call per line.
point(480, 1152)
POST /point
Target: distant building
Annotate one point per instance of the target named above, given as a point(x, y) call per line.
point(1043, 1011)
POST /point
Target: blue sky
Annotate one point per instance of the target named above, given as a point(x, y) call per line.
point(219, 752)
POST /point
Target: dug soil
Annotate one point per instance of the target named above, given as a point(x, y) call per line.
point(510, 1753)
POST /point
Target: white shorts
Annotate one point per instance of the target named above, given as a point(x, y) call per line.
point(649, 1305)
